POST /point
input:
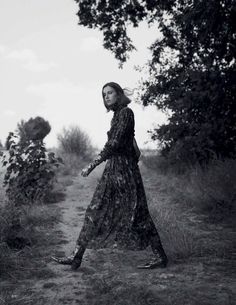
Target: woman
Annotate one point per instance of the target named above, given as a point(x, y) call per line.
point(118, 214)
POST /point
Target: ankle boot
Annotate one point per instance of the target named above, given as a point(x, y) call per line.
point(77, 259)
point(160, 259)
point(73, 259)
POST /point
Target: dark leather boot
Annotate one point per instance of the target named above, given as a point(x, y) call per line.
point(74, 259)
point(160, 259)
point(77, 260)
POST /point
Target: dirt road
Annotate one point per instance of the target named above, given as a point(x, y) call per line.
point(110, 276)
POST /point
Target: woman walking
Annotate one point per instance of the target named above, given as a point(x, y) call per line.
point(118, 215)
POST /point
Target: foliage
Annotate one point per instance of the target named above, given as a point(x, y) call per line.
point(34, 129)
point(73, 140)
point(30, 171)
point(191, 72)
point(7, 143)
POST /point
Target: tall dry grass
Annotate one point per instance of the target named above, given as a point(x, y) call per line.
point(22, 233)
point(179, 240)
point(25, 248)
point(26, 237)
point(210, 188)
point(213, 188)
point(186, 200)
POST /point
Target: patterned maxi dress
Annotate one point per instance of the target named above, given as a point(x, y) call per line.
point(118, 215)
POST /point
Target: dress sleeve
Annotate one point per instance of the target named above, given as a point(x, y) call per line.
point(116, 133)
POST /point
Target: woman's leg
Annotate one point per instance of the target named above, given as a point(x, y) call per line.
point(160, 259)
point(158, 250)
point(87, 232)
point(89, 228)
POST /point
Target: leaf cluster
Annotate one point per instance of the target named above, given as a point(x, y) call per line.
point(34, 129)
point(192, 73)
point(30, 171)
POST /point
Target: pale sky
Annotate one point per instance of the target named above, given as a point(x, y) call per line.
point(51, 67)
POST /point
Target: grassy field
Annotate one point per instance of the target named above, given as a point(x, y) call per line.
point(20, 268)
point(201, 254)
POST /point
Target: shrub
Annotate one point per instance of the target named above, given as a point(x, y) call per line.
point(34, 129)
point(7, 143)
point(75, 149)
point(30, 171)
point(73, 140)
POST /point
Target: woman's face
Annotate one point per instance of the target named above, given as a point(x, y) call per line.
point(110, 96)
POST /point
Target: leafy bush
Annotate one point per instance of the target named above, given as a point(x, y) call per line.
point(30, 170)
point(7, 143)
point(34, 129)
point(73, 140)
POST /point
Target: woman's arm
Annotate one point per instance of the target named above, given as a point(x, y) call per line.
point(115, 141)
point(87, 170)
point(125, 121)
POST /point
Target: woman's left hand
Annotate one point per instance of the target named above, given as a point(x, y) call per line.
point(85, 172)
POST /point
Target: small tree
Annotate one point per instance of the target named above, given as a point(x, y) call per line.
point(30, 169)
point(192, 69)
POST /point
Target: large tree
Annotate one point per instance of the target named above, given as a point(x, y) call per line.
point(191, 72)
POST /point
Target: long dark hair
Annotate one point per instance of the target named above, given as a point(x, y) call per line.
point(124, 100)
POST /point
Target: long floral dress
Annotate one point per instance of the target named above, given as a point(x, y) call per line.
point(118, 214)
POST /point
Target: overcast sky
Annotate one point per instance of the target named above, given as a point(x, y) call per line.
point(51, 67)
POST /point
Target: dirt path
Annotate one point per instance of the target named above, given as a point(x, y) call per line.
point(110, 276)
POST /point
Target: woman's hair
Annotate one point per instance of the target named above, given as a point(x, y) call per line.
point(124, 100)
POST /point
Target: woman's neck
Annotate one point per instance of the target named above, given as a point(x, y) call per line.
point(117, 107)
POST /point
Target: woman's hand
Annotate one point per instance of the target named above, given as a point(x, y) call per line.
point(85, 172)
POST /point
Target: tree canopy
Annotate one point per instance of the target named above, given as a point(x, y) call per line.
point(191, 71)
